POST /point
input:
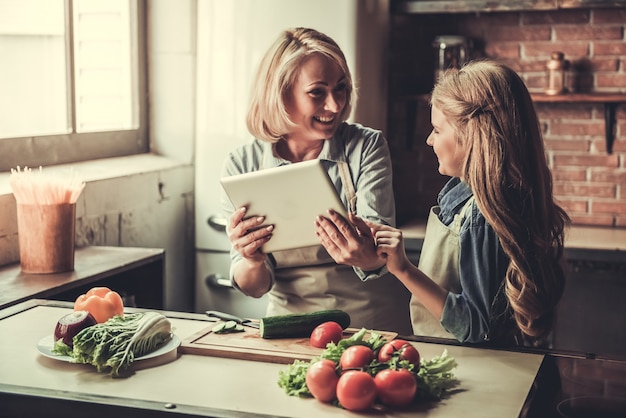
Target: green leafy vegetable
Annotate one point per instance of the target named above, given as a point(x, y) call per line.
point(118, 341)
point(436, 376)
point(333, 351)
point(293, 380)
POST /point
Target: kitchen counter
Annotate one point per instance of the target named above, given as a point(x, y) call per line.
point(135, 273)
point(494, 383)
point(609, 244)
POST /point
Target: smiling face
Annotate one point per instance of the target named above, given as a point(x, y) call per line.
point(317, 99)
point(443, 139)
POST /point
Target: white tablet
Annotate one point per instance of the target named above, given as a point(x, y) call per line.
point(290, 197)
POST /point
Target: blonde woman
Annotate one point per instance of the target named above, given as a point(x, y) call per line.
point(490, 268)
point(302, 97)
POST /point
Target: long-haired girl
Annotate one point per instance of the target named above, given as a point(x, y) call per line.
point(490, 268)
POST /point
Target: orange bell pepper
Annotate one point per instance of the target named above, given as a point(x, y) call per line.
point(102, 302)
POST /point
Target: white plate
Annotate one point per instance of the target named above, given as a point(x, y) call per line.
point(46, 344)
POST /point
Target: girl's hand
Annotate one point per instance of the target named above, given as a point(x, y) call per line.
point(348, 242)
point(248, 235)
point(390, 246)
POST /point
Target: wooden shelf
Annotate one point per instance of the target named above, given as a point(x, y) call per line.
point(610, 101)
point(579, 98)
point(489, 6)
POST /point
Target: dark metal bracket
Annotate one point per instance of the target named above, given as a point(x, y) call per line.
point(609, 125)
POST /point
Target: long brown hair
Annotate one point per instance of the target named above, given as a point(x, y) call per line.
point(507, 170)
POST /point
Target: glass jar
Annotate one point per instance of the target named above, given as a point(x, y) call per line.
point(556, 74)
point(451, 52)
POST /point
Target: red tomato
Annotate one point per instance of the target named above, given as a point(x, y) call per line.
point(395, 387)
point(356, 390)
point(321, 379)
point(326, 333)
point(405, 350)
point(356, 357)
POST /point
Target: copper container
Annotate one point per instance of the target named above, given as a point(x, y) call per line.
point(46, 237)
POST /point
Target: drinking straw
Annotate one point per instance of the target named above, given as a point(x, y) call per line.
point(39, 188)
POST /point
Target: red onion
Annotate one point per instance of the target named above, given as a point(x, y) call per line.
point(71, 324)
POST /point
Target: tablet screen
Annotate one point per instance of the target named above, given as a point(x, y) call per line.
point(290, 197)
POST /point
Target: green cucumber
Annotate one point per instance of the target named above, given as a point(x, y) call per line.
point(219, 328)
point(227, 327)
point(300, 324)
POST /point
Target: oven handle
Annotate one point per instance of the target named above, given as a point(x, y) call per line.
point(217, 222)
point(216, 280)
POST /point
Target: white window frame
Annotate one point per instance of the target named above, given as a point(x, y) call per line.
point(49, 150)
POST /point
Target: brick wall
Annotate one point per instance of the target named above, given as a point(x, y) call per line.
point(589, 182)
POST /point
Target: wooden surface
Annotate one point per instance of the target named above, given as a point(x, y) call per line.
point(492, 383)
point(579, 98)
point(546, 98)
point(248, 345)
point(465, 6)
point(133, 270)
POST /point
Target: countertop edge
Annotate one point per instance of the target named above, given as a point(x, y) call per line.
point(579, 240)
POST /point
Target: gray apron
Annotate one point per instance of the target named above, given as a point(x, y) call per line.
point(439, 260)
point(308, 280)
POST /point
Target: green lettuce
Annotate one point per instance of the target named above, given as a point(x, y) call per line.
point(117, 342)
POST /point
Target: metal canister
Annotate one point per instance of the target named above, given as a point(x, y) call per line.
point(452, 52)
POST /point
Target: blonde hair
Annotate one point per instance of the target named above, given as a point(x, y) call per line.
point(267, 118)
point(507, 171)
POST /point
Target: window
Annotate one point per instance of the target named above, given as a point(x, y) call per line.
point(72, 80)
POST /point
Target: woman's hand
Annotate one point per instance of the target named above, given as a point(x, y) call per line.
point(348, 242)
point(390, 246)
point(247, 236)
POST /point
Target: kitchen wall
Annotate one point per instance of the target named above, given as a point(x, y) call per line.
point(590, 183)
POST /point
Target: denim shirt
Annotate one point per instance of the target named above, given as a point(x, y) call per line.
point(367, 154)
point(483, 266)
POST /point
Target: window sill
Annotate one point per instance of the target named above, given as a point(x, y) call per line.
point(106, 168)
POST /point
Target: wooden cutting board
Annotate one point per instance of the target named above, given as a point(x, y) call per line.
point(248, 345)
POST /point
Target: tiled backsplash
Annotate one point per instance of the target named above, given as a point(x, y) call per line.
point(589, 182)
